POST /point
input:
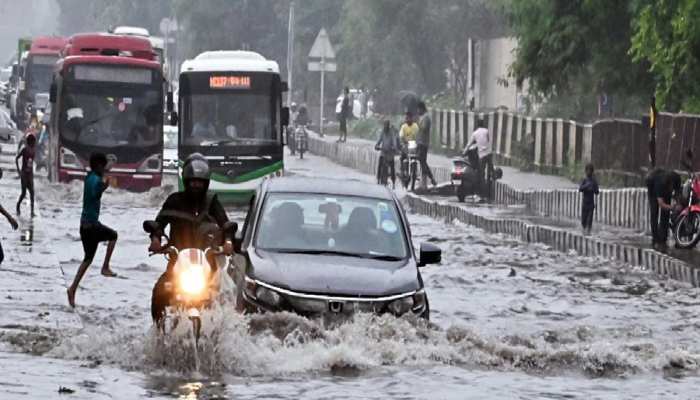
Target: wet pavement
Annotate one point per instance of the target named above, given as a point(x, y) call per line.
point(508, 320)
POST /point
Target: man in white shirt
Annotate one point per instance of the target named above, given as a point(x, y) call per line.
point(482, 137)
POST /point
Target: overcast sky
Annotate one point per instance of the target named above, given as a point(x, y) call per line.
point(24, 18)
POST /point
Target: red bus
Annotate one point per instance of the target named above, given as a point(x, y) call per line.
point(107, 96)
point(37, 73)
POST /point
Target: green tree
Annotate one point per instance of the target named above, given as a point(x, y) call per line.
point(578, 46)
point(667, 36)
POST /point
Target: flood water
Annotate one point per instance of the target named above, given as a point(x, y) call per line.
point(509, 320)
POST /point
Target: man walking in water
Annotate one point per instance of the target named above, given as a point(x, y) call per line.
point(345, 111)
point(423, 142)
point(26, 173)
point(92, 232)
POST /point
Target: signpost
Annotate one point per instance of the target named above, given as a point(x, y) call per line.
point(322, 58)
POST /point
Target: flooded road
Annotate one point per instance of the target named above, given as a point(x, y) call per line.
point(508, 320)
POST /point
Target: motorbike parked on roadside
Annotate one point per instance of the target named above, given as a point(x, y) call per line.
point(195, 276)
point(686, 224)
point(465, 174)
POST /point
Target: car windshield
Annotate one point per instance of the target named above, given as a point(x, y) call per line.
point(320, 224)
point(232, 119)
point(111, 115)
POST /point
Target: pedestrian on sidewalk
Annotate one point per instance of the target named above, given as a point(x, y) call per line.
point(589, 189)
point(662, 186)
point(344, 115)
point(423, 142)
point(11, 220)
point(92, 232)
point(388, 145)
point(482, 138)
point(26, 174)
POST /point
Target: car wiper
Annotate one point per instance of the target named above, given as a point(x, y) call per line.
point(382, 257)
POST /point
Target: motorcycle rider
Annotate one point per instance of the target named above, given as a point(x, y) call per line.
point(185, 212)
point(388, 145)
point(482, 138)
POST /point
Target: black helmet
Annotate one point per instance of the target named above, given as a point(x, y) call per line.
point(196, 167)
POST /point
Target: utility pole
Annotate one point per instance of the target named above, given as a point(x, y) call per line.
point(290, 54)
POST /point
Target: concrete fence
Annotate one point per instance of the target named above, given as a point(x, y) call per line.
point(548, 144)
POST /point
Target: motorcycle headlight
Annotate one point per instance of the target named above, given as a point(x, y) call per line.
point(268, 297)
point(193, 279)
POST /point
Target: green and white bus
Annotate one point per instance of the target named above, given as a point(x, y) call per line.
point(230, 111)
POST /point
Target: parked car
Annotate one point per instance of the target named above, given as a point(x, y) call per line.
point(8, 129)
point(324, 247)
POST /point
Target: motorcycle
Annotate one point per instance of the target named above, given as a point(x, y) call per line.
point(686, 225)
point(301, 140)
point(195, 278)
point(409, 166)
point(465, 173)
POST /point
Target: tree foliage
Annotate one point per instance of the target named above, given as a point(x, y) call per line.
point(667, 36)
point(584, 44)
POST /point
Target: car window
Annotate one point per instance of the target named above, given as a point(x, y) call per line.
point(318, 223)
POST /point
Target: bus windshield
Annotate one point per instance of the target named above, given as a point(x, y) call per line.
point(40, 73)
point(110, 115)
point(228, 119)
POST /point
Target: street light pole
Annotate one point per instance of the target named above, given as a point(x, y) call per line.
point(290, 53)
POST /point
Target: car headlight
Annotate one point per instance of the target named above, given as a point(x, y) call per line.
point(415, 303)
point(268, 297)
point(193, 279)
point(69, 159)
point(151, 164)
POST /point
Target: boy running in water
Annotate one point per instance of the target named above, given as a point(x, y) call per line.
point(26, 173)
point(92, 232)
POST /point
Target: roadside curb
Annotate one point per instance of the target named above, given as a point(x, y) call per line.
point(560, 239)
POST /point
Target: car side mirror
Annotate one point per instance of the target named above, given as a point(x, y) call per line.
point(429, 254)
point(169, 104)
point(285, 116)
point(174, 119)
point(53, 93)
point(230, 228)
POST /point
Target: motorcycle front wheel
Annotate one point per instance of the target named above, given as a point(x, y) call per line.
point(687, 231)
point(413, 176)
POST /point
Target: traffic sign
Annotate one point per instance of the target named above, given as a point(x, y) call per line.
point(322, 66)
point(168, 25)
point(322, 47)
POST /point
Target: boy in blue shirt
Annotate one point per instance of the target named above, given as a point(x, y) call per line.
point(92, 232)
point(589, 188)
